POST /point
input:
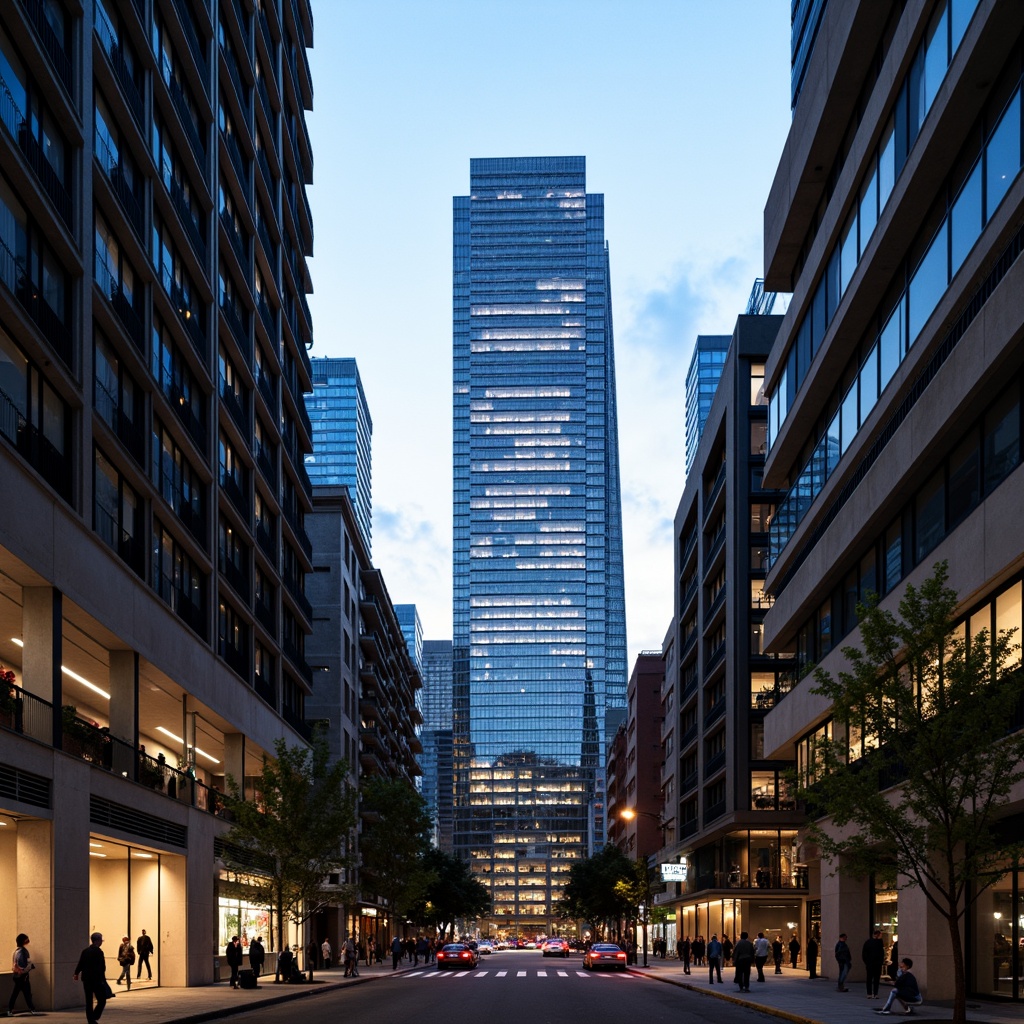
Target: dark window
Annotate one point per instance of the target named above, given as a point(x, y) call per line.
point(1002, 438)
point(964, 478)
point(929, 516)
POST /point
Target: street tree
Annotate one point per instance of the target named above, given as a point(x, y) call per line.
point(590, 893)
point(923, 756)
point(394, 838)
point(283, 844)
point(452, 893)
point(635, 890)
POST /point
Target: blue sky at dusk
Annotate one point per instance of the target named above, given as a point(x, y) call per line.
point(681, 108)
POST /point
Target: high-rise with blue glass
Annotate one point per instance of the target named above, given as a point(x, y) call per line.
point(342, 432)
point(539, 643)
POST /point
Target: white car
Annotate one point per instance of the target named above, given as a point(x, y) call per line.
point(485, 946)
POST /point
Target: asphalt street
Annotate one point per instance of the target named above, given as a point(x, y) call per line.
point(512, 988)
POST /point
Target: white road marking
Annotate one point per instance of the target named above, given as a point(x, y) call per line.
point(542, 974)
point(501, 974)
point(563, 974)
point(520, 974)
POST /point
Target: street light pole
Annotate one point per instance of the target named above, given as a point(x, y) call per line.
point(630, 814)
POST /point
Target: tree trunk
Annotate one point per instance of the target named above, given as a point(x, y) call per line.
point(959, 972)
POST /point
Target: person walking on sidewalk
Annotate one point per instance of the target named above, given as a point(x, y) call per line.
point(233, 955)
point(92, 969)
point(743, 957)
point(257, 956)
point(397, 947)
point(873, 955)
point(844, 958)
point(714, 960)
point(794, 950)
point(684, 954)
point(777, 954)
point(761, 950)
point(21, 968)
point(812, 957)
point(126, 958)
point(144, 947)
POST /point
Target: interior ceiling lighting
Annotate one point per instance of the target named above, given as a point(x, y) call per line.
point(74, 675)
point(177, 739)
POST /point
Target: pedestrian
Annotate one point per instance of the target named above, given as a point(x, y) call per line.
point(697, 950)
point(144, 948)
point(410, 948)
point(844, 958)
point(126, 958)
point(685, 948)
point(233, 955)
point(285, 963)
point(714, 960)
point(812, 957)
point(761, 950)
point(371, 951)
point(905, 989)
point(21, 968)
point(257, 956)
point(873, 955)
point(422, 948)
point(743, 957)
point(325, 952)
point(351, 958)
point(396, 952)
point(777, 953)
point(92, 969)
point(794, 950)
point(726, 951)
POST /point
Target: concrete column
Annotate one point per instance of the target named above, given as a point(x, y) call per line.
point(35, 903)
point(845, 907)
point(924, 937)
point(234, 760)
point(124, 696)
point(42, 655)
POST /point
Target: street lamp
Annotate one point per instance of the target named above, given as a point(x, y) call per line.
point(631, 814)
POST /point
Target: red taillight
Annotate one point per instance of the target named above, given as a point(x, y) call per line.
point(620, 956)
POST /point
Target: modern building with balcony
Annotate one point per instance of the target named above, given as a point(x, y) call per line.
point(894, 386)
point(153, 337)
point(437, 782)
point(729, 819)
point(702, 379)
point(366, 685)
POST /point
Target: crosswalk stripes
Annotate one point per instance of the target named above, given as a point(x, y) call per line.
point(487, 973)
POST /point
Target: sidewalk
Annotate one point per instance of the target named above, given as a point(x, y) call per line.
point(793, 996)
point(212, 1002)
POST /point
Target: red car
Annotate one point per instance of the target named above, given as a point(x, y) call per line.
point(604, 954)
point(456, 954)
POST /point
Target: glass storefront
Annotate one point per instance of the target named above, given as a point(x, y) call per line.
point(997, 931)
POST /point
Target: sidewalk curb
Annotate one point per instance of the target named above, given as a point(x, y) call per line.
point(284, 997)
point(736, 1000)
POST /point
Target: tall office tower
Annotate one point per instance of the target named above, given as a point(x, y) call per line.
point(342, 435)
point(539, 646)
point(154, 232)
point(412, 630)
point(436, 737)
point(701, 382)
point(895, 388)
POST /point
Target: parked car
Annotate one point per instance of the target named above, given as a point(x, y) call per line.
point(603, 955)
point(456, 954)
point(556, 947)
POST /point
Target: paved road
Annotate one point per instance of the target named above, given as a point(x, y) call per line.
point(511, 988)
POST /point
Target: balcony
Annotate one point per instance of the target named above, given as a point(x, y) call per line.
point(187, 19)
point(44, 172)
point(294, 655)
point(235, 658)
point(715, 658)
point(236, 576)
point(715, 546)
point(52, 46)
point(266, 616)
point(714, 764)
point(184, 211)
point(35, 448)
point(27, 714)
point(237, 160)
point(297, 722)
point(295, 590)
point(181, 603)
point(714, 712)
point(111, 46)
point(267, 466)
point(233, 236)
point(126, 429)
point(265, 540)
point(265, 386)
point(236, 79)
point(233, 402)
point(714, 490)
point(688, 736)
point(239, 328)
point(187, 316)
point(264, 690)
point(233, 489)
point(265, 315)
point(181, 107)
point(183, 410)
point(128, 547)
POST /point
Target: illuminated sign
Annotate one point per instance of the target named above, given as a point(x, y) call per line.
point(673, 872)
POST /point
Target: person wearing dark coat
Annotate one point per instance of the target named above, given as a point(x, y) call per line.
point(873, 955)
point(812, 956)
point(144, 947)
point(257, 956)
point(794, 950)
point(685, 949)
point(92, 969)
point(777, 953)
point(233, 955)
point(743, 958)
point(727, 950)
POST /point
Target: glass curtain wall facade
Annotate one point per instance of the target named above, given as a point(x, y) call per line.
point(539, 617)
point(342, 435)
point(701, 384)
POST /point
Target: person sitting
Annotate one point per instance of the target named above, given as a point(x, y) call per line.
point(905, 990)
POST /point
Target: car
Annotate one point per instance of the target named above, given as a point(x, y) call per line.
point(530, 945)
point(556, 947)
point(485, 947)
point(458, 955)
point(604, 955)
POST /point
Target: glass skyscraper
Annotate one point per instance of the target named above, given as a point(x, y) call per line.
point(701, 384)
point(539, 637)
point(342, 434)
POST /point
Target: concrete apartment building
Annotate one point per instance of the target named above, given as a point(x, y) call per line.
point(896, 220)
point(730, 824)
point(365, 688)
point(154, 231)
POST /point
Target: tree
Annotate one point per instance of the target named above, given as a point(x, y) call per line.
point(281, 846)
point(635, 890)
point(396, 830)
point(590, 894)
point(452, 892)
point(921, 760)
